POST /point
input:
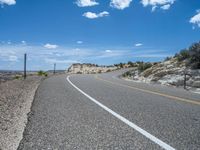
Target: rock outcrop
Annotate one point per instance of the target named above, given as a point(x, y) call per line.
point(89, 69)
point(169, 72)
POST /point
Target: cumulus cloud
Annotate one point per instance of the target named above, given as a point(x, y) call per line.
point(50, 46)
point(195, 20)
point(165, 7)
point(8, 2)
point(86, 3)
point(163, 4)
point(120, 4)
point(138, 44)
point(92, 15)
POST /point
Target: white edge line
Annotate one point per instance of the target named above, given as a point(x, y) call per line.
point(132, 125)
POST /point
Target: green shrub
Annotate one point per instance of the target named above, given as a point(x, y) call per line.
point(191, 56)
point(121, 65)
point(183, 55)
point(194, 59)
point(42, 73)
point(127, 74)
point(17, 77)
point(143, 66)
point(167, 58)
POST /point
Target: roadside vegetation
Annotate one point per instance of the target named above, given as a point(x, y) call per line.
point(17, 77)
point(191, 56)
point(42, 73)
point(142, 66)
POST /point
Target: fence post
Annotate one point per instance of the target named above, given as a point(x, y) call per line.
point(185, 80)
point(25, 55)
point(54, 70)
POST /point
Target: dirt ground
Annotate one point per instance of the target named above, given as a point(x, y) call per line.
point(16, 97)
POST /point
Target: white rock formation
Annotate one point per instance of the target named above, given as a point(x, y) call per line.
point(89, 69)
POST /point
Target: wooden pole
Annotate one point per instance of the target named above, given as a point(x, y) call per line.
point(25, 55)
point(54, 70)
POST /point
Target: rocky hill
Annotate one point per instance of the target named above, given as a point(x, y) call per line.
point(89, 69)
point(172, 71)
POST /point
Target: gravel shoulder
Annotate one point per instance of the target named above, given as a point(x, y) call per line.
point(16, 97)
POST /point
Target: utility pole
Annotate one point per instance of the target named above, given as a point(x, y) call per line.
point(25, 55)
point(54, 70)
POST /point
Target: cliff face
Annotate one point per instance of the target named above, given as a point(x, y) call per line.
point(169, 72)
point(89, 69)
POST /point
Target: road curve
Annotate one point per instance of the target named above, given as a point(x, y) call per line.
point(106, 112)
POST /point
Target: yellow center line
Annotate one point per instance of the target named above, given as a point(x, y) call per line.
point(152, 92)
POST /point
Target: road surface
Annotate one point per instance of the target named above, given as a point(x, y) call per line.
point(106, 112)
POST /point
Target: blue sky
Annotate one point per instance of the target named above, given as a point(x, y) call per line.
point(94, 31)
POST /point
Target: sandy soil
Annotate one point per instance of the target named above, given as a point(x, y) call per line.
point(16, 97)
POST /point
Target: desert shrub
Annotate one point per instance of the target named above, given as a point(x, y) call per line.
point(143, 66)
point(79, 72)
point(17, 77)
point(121, 65)
point(131, 64)
point(45, 74)
point(108, 70)
point(99, 71)
point(42, 73)
point(191, 56)
point(194, 56)
point(183, 55)
point(167, 58)
point(127, 74)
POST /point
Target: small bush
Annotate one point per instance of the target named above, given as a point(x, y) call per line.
point(99, 71)
point(167, 58)
point(131, 64)
point(42, 73)
point(17, 77)
point(183, 55)
point(143, 66)
point(79, 72)
point(194, 53)
point(108, 70)
point(127, 74)
point(121, 65)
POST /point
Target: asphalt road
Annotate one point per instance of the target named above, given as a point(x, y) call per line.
point(106, 112)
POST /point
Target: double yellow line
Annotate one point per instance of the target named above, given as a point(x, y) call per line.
point(152, 92)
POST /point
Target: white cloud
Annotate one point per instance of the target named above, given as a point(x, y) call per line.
point(86, 3)
point(196, 19)
point(79, 42)
point(138, 44)
point(108, 51)
point(163, 4)
point(8, 2)
point(166, 7)
point(50, 46)
point(92, 15)
point(23, 42)
point(120, 4)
